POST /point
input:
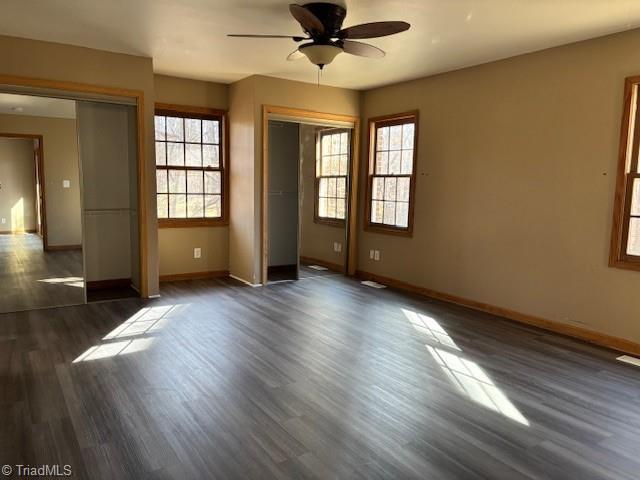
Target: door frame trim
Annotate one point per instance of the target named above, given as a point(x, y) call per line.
point(138, 96)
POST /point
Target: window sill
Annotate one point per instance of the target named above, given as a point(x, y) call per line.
point(329, 222)
point(625, 264)
point(398, 232)
point(191, 223)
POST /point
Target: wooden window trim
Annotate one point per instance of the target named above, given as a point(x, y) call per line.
point(331, 222)
point(186, 111)
point(627, 164)
point(373, 124)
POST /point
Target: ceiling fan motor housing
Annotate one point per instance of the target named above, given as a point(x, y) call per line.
point(330, 15)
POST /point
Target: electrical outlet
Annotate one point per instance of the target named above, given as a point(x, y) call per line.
point(197, 252)
point(66, 183)
point(376, 255)
point(337, 247)
point(372, 254)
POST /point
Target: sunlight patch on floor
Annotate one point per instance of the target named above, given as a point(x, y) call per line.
point(467, 376)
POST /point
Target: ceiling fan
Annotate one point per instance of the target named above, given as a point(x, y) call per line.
point(322, 23)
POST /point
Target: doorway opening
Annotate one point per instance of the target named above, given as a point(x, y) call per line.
point(309, 193)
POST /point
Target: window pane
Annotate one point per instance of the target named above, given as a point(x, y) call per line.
point(210, 131)
point(161, 181)
point(326, 145)
point(175, 129)
point(177, 181)
point(394, 162)
point(341, 187)
point(175, 154)
point(160, 126)
point(407, 135)
point(376, 211)
point(633, 242)
point(195, 182)
point(161, 153)
point(395, 137)
point(322, 207)
point(335, 165)
point(378, 188)
point(331, 207)
point(340, 209)
point(402, 214)
point(344, 162)
point(390, 189)
point(177, 206)
point(323, 187)
point(192, 130)
point(210, 156)
point(195, 206)
point(382, 163)
point(635, 197)
point(344, 143)
point(326, 166)
point(212, 206)
point(335, 144)
point(163, 206)
point(403, 189)
point(383, 139)
point(332, 187)
point(193, 155)
point(212, 182)
point(389, 213)
point(407, 162)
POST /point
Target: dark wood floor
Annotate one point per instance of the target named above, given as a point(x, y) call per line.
point(32, 278)
point(320, 378)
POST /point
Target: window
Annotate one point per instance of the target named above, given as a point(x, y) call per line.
point(190, 167)
point(391, 176)
point(332, 164)
point(625, 238)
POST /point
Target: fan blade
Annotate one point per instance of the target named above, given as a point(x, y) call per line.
point(362, 49)
point(295, 55)
point(373, 30)
point(308, 20)
point(248, 35)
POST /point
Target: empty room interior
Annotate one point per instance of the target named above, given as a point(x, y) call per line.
point(334, 240)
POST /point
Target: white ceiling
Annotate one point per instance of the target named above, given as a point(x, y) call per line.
point(187, 37)
point(36, 106)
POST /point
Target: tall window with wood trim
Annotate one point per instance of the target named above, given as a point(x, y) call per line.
point(332, 165)
point(190, 168)
point(625, 237)
point(391, 173)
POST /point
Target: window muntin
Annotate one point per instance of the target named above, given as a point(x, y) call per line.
point(391, 172)
point(332, 167)
point(189, 167)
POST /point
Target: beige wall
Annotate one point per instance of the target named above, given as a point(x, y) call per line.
point(17, 185)
point(60, 154)
point(316, 239)
point(36, 59)
point(515, 183)
point(176, 245)
point(260, 91)
point(244, 233)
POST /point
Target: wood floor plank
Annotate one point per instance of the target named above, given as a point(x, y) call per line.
point(320, 378)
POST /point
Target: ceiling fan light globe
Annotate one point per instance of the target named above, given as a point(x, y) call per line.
point(320, 55)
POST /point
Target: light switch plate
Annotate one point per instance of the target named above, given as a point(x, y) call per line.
point(197, 252)
point(376, 255)
point(66, 183)
point(4, 220)
point(372, 254)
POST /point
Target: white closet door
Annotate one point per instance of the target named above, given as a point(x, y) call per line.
point(107, 145)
